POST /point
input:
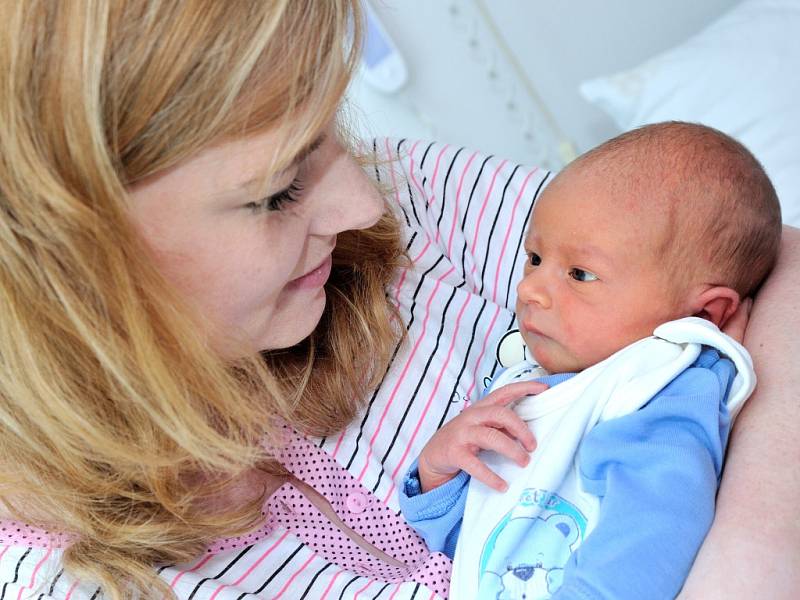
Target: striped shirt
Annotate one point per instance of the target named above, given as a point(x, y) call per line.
point(464, 216)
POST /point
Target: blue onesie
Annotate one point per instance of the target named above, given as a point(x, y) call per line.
point(655, 471)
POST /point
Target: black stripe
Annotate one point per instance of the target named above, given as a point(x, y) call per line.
point(425, 155)
point(378, 177)
point(52, 584)
point(414, 595)
point(371, 403)
point(408, 187)
point(354, 579)
point(494, 224)
point(466, 212)
point(454, 392)
point(521, 241)
point(408, 327)
point(380, 591)
point(509, 327)
point(313, 580)
point(443, 197)
point(422, 377)
point(221, 573)
point(16, 572)
point(394, 355)
point(96, 592)
point(274, 574)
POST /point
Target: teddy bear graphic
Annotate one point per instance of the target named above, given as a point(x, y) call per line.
point(524, 557)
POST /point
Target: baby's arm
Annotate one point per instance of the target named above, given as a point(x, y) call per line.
point(433, 493)
point(753, 548)
point(656, 472)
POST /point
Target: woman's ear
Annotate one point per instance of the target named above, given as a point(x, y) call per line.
point(716, 304)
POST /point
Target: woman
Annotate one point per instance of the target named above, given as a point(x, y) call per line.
point(194, 269)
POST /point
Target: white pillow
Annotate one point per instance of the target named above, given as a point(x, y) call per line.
point(741, 75)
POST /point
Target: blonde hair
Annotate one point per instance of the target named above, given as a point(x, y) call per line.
point(112, 406)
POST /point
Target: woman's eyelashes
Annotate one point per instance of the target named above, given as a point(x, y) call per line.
point(279, 200)
point(578, 274)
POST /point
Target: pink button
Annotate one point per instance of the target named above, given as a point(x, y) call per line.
point(356, 503)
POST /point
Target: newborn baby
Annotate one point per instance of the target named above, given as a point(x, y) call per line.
point(668, 221)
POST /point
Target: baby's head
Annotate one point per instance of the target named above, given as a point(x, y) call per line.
point(666, 221)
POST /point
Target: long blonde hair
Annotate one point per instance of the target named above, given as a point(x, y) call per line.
point(112, 405)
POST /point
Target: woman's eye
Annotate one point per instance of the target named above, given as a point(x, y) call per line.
point(581, 275)
point(534, 259)
point(277, 201)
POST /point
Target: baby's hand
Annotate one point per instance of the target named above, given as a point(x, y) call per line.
point(489, 424)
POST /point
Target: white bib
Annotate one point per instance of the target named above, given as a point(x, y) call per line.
point(515, 544)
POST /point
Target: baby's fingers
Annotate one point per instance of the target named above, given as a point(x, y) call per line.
point(513, 391)
point(489, 438)
point(501, 417)
point(473, 465)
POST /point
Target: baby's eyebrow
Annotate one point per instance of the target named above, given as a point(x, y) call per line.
point(590, 250)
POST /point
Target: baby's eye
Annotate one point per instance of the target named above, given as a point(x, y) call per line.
point(534, 259)
point(581, 275)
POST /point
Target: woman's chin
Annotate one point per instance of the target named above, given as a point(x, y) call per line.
point(295, 323)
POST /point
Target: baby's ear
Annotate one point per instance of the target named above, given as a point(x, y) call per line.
point(716, 304)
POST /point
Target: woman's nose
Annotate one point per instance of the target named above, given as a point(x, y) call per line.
point(533, 289)
point(347, 198)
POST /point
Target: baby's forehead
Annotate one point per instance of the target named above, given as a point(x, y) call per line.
point(646, 211)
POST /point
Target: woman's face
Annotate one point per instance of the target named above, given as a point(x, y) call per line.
point(253, 260)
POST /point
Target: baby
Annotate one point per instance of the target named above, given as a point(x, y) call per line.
point(664, 222)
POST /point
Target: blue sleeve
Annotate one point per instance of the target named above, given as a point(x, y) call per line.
point(656, 472)
point(436, 515)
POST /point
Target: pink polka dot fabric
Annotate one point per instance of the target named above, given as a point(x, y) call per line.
point(289, 509)
point(361, 511)
point(22, 534)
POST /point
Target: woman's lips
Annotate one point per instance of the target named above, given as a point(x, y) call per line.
point(315, 278)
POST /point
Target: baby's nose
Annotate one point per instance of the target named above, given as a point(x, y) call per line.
point(532, 290)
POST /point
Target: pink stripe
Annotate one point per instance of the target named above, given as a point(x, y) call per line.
point(445, 365)
point(413, 148)
point(397, 589)
point(480, 356)
point(508, 233)
point(432, 595)
point(483, 209)
point(339, 443)
point(433, 182)
point(35, 571)
point(436, 171)
point(398, 201)
point(391, 171)
point(415, 182)
point(249, 570)
point(291, 579)
point(400, 379)
point(455, 207)
point(369, 583)
point(330, 585)
point(177, 577)
point(5, 549)
point(399, 285)
point(72, 589)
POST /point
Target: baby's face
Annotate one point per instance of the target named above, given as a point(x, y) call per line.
point(592, 283)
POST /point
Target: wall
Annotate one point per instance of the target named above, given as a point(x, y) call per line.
point(502, 75)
